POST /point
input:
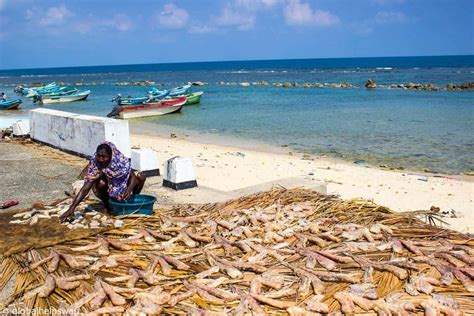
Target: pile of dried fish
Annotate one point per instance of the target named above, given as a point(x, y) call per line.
point(283, 251)
point(83, 217)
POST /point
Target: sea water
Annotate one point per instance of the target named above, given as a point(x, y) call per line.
point(415, 130)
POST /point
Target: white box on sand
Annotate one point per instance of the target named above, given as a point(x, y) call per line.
point(21, 128)
point(179, 174)
point(79, 134)
point(145, 160)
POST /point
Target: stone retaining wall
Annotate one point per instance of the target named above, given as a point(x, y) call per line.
point(79, 134)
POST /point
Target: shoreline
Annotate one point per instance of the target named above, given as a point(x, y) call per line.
point(230, 167)
point(210, 138)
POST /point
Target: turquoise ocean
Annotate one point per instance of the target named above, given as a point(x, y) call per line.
point(415, 130)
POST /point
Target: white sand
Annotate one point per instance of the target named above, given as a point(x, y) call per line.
point(223, 168)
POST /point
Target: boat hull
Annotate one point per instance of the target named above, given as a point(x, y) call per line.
point(175, 92)
point(153, 109)
point(150, 112)
point(10, 105)
point(194, 98)
point(66, 98)
point(26, 90)
point(52, 93)
point(132, 101)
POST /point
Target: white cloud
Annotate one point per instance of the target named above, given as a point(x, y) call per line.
point(120, 22)
point(236, 14)
point(229, 17)
point(257, 4)
point(173, 17)
point(368, 26)
point(84, 27)
point(388, 17)
point(201, 29)
point(53, 16)
point(365, 28)
point(297, 13)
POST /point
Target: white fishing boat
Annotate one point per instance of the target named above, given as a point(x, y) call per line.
point(161, 107)
point(65, 98)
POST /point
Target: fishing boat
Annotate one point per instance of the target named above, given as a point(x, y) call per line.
point(53, 86)
point(10, 104)
point(161, 107)
point(130, 101)
point(26, 90)
point(178, 91)
point(63, 91)
point(140, 100)
point(64, 98)
point(193, 98)
point(33, 92)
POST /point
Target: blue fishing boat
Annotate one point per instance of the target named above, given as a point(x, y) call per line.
point(171, 92)
point(57, 89)
point(65, 98)
point(130, 101)
point(56, 92)
point(26, 90)
point(140, 100)
point(10, 104)
point(160, 94)
point(179, 90)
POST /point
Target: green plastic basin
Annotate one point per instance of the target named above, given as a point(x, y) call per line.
point(138, 204)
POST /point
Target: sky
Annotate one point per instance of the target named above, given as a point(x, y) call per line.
point(61, 33)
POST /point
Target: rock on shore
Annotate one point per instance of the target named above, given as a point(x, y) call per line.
point(370, 84)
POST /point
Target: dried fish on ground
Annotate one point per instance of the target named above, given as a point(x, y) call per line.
point(279, 252)
point(420, 283)
point(44, 290)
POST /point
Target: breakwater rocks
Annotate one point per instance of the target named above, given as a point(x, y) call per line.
point(135, 83)
point(152, 83)
point(101, 83)
point(288, 84)
point(370, 84)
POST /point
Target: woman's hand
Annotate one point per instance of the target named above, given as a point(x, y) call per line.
point(131, 186)
point(128, 193)
point(79, 197)
point(66, 216)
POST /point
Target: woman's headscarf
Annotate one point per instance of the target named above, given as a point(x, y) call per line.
point(117, 172)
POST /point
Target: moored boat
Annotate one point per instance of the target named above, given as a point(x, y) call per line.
point(10, 104)
point(177, 91)
point(131, 101)
point(55, 92)
point(157, 95)
point(161, 107)
point(65, 98)
point(193, 98)
point(26, 90)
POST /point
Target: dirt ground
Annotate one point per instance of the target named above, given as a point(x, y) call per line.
point(32, 172)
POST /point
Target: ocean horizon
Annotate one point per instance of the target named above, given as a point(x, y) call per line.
point(415, 130)
point(341, 62)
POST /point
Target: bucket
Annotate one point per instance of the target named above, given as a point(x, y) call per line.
point(138, 204)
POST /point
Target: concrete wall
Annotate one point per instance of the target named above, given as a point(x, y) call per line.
point(78, 133)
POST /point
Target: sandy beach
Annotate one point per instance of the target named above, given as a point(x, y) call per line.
point(230, 168)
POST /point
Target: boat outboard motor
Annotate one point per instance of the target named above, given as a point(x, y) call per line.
point(37, 98)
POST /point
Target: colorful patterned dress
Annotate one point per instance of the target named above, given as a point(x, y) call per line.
point(117, 173)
